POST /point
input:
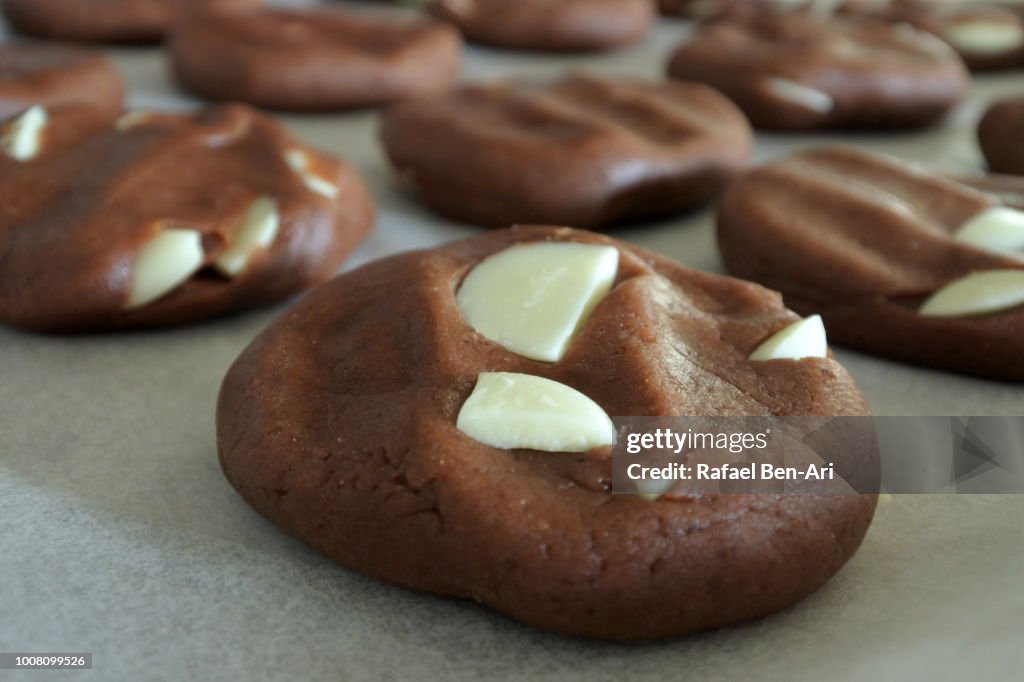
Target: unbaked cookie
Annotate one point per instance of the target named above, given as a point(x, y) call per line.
point(549, 25)
point(1000, 134)
point(580, 151)
point(987, 36)
point(439, 420)
point(105, 21)
point(799, 72)
point(160, 220)
point(47, 74)
point(315, 60)
point(898, 260)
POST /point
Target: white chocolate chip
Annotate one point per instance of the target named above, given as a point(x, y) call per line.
point(803, 339)
point(258, 230)
point(801, 95)
point(998, 228)
point(508, 410)
point(977, 294)
point(23, 135)
point(534, 298)
point(651, 489)
point(298, 161)
point(982, 37)
point(132, 119)
point(169, 259)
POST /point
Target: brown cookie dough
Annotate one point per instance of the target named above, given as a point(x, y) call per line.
point(162, 220)
point(339, 423)
point(1000, 134)
point(54, 75)
point(314, 60)
point(871, 243)
point(798, 72)
point(988, 37)
point(578, 151)
point(105, 21)
point(549, 25)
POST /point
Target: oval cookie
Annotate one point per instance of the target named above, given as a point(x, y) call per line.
point(881, 248)
point(105, 21)
point(1000, 132)
point(314, 60)
point(798, 72)
point(579, 151)
point(385, 421)
point(40, 73)
point(161, 220)
point(549, 25)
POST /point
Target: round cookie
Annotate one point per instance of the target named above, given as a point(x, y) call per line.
point(50, 75)
point(105, 21)
point(798, 72)
point(898, 260)
point(549, 25)
point(986, 36)
point(343, 423)
point(1000, 132)
point(162, 220)
point(578, 151)
point(314, 60)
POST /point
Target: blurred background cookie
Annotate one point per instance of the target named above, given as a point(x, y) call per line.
point(799, 72)
point(549, 25)
point(105, 21)
point(579, 151)
point(316, 60)
point(987, 36)
point(1001, 135)
point(161, 220)
point(49, 74)
point(899, 260)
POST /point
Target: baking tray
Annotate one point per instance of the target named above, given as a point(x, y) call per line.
point(119, 535)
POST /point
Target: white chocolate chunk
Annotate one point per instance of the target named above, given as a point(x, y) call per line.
point(981, 37)
point(977, 294)
point(534, 298)
point(651, 489)
point(298, 161)
point(801, 95)
point(132, 119)
point(803, 339)
point(23, 135)
point(998, 228)
point(258, 230)
point(169, 259)
point(507, 410)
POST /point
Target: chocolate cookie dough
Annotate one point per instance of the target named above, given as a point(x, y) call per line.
point(549, 25)
point(898, 260)
point(105, 21)
point(1000, 134)
point(987, 36)
point(348, 423)
point(798, 72)
point(50, 75)
point(160, 220)
point(578, 151)
point(313, 60)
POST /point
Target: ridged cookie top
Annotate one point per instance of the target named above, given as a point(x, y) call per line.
point(842, 222)
point(580, 148)
point(794, 71)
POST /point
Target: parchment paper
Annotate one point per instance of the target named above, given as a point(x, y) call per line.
point(119, 535)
